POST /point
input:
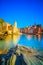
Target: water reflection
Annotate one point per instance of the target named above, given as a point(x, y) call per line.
point(35, 37)
point(29, 37)
point(2, 46)
point(9, 42)
point(12, 40)
point(39, 37)
point(16, 39)
point(8, 39)
point(34, 41)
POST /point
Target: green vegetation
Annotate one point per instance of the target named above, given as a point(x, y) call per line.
point(1, 20)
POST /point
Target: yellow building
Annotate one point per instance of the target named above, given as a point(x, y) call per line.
point(4, 26)
point(9, 28)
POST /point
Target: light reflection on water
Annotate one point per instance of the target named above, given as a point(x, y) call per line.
point(9, 42)
point(32, 41)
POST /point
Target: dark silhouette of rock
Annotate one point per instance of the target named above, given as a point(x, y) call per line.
point(20, 60)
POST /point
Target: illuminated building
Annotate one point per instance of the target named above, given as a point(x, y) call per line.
point(9, 28)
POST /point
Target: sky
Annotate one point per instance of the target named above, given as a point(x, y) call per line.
point(24, 12)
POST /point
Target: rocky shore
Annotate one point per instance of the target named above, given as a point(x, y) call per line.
point(21, 55)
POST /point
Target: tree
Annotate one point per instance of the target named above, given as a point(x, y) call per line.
point(1, 20)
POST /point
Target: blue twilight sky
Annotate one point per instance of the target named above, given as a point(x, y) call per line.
point(25, 12)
